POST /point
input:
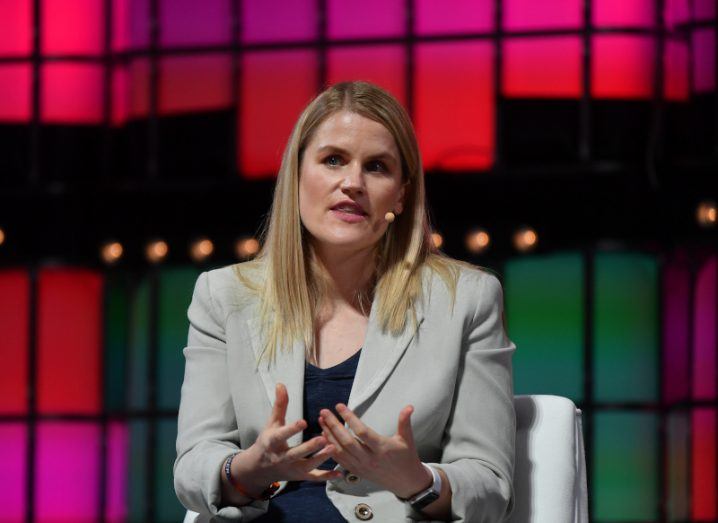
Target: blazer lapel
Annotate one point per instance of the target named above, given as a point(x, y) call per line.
point(288, 368)
point(380, 354)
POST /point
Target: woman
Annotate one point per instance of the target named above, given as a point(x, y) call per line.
point(350, 371)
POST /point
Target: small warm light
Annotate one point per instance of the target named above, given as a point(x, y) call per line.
point(2, 236)
point(111, 252)
point(156, 251)
point(246, 248)
point(706, 214)
point(438, 239)
point(201, 249)
point(477, 241)
point(525, 239)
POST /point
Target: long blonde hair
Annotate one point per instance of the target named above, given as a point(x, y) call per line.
point(285, 275)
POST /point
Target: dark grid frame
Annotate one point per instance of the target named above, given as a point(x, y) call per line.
point(321, 44)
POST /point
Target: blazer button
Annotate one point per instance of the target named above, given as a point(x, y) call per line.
point(352, 478)
point(363, 511)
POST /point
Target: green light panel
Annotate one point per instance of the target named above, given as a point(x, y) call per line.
point(168, 508)
point(625, 324)
point(116, 339)
point(544, 311)
point(138, 381)
point(138, 471)
point(175, 293)
point(625, 468)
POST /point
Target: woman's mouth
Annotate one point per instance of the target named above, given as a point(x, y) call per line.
point(349, 216)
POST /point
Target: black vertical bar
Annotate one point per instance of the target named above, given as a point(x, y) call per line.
point(500, 123)
point(409, 57)
point(588, 400)
point(152, 510)
point(35, 156)
point(153, 127)
point(235, 134)
point(31, 399)
point(584, 117)
point(322, 38)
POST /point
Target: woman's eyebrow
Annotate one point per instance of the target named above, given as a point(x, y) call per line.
point(385, 155)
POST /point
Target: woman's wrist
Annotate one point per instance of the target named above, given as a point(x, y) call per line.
point(419, 481)
point(244, 477)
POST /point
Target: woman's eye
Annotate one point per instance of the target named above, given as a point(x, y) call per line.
point(376, 166)
point(332, 160)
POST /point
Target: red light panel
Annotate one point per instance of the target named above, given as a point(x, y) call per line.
point(71, 93)
point(72, 26)
point(622, 66)
point(14, 325)
point(15, 92)
point(619, 13)
point(16, 34)
point(195, 83)
point(522, 15)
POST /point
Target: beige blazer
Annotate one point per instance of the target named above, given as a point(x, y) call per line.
point(455, 368)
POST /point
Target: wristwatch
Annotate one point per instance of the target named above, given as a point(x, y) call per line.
point(425, 497)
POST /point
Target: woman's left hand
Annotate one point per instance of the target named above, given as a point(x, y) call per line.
point(391, 462)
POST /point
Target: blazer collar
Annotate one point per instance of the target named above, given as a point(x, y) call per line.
point(380, 354)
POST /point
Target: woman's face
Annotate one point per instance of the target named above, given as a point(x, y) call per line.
point(349, 178)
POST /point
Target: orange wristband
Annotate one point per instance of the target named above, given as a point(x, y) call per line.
point(266, 493)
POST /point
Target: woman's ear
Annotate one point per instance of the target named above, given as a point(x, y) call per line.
point(402, 195)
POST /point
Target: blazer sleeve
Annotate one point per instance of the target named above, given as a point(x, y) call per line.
point(207, 427)
point(478, 453)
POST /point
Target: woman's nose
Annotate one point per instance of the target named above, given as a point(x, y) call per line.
point(353, 178)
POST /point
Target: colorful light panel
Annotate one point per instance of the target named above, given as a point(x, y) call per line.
point(704, 10)
point(268, 109)
point(139, 456)
point(544, 311)
point(703, 43)
point(278, 20)
point(704, 331)
point(454, 105)
point(72, 26)
point(622, 66)
point(116, 343)
point(625, 466)
point(677, 466)
point(130, 91)
point(13, 479)
point(522, 15)
point(383, 65)
point(168, 506)
point(465, 16)
point(139, 347)
point(703, 477)
point(69, 338)
point(676, 12)
point(16, 35)
point(175, 295)
point(130, 24)
point(546, 67)
point(189, 22)
point(348, 18)
point(14, 325)
point(676, 325)
point(15, 93)
point(195, 83)
point(71, 93)
point(675, 73)
point(625, 324)
point(618, 13)
point(67, 478)
point(117, 468)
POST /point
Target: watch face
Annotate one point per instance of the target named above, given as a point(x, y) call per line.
point(425, 500)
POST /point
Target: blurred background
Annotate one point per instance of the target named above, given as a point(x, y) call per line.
point(569, 145)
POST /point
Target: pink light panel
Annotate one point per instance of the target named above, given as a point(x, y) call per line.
point(464, 16)
point(13, 452)
point(526, 15)
point(16, 34)
point(622, 66)
point(546, 67)
point(675, 80)
point(68, 473)
point(195, 83)
point(14, 325)
point(275, 88)
point(703, 43)
point(383, 65)
point(704, 10)
point(704, 331)
point(72, 26)
point(454, 105)
point(676, 324)
point(619, 13)
point(117, 472)
point(15, 93)
point(71, 93)
point(189, 22)
point(69, 337)
point(349, 18)
point(278, 20)
point(131, 24)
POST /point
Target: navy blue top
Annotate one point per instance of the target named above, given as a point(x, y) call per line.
point(307, 501)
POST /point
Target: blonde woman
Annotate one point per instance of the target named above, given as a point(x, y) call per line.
point(350, 371)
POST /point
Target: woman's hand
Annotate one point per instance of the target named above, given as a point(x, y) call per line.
point(270, 459)
point(391, 462)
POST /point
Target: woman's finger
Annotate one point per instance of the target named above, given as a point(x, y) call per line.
point(404, 425)
point(279, 409)
point(322, 475)
point(282, 434)
point(365, 434)
point(308, 447)
point(344, 438)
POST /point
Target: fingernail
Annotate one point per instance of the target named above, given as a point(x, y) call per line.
point(341, 407)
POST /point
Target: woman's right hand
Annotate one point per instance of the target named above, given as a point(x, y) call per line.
point(270, 459)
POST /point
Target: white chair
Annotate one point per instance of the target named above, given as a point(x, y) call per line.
point(550, 470)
